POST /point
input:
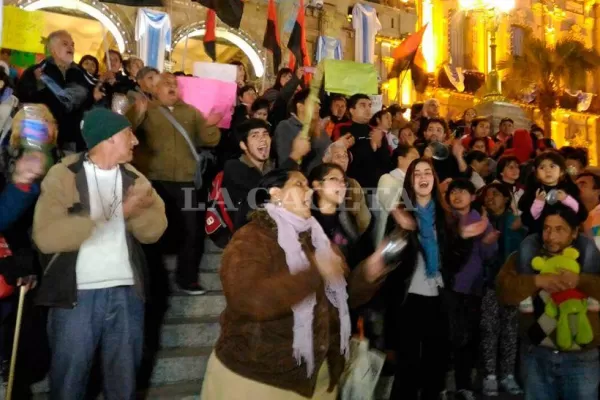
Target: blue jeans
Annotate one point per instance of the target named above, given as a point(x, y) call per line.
point(112, 319)
point(554, 375)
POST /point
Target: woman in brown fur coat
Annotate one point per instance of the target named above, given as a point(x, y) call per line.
point(285, 331)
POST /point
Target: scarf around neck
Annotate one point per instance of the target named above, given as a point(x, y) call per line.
point(428, 238)
point(289, 227)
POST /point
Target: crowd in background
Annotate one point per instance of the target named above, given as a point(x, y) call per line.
point(500, 230)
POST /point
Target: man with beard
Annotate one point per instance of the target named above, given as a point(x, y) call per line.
point(61, 85)
point(436, 130)
point(166, 159)
point(242, 175)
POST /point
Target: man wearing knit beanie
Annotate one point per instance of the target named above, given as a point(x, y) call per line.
point(93, 213)
point(110, 132)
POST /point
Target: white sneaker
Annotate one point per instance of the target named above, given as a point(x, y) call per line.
point(490, 386)
point(510, 385)
point(465, 395)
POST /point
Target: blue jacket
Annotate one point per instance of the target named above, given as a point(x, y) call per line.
point(13, 202)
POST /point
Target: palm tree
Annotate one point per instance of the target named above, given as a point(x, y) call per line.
point(548, 71)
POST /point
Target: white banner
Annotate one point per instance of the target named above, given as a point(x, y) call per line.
point(219, 72)
point(376, 103)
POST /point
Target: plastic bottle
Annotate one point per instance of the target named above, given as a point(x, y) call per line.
point(34, 129)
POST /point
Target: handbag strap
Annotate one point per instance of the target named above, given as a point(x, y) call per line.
point(181, 130)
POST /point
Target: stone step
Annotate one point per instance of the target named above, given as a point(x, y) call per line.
point(210, 247)
point(180, 391)
point(211, 262)
point(183, 364)
point(190, 332)
point(177, 366)
point(211, 281)
point(183, 306)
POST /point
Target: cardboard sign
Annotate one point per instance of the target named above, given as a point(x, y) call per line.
point(209, 96)
point(216, 71)
point(23, 30)
point(349, 78)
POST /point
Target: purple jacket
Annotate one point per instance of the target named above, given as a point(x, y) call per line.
point(469, 279)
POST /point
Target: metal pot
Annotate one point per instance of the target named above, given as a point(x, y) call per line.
point(439, 151)
point(396, 243)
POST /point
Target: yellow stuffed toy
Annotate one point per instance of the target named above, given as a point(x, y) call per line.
point(568, 302)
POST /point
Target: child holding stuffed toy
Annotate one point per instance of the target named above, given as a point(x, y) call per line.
point(550, 185)
point(464, 297)
point(550, 178)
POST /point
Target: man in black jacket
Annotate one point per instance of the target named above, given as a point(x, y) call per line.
point(452, 167)
point(61, 85)
point(371, 157)
point(242, 175)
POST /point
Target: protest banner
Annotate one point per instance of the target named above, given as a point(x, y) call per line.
point(220, 72)
point(349, 77)
point(209, 96)
point(23, 30)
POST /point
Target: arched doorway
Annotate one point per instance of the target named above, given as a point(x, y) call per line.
point(232, 44)
point(89, 22)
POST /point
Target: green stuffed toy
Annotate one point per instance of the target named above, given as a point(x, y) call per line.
point(568, 302)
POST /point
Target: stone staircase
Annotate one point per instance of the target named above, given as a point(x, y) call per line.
point(188, 334)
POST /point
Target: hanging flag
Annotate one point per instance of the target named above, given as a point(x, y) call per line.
point(271, 41)
point(210, 38)
point(297, 43)
point(288, 9)
point(404, 54)
point(418, 70)
point(228, 11)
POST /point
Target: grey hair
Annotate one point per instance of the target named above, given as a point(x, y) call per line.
point(430, 101)
point(55, 35)
point(329, 152)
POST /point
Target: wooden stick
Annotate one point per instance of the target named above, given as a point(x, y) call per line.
point(106, 48)
point(15, 349)
point(312, 101)
point(264, 78)
point(185, 49)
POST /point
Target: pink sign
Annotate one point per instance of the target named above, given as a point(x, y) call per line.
point(209, 96)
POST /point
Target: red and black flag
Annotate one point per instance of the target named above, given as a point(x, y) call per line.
point(297, 43)
point(271, 41)
point(210, 37)
point(418, 71)
point(405, 54)
point(228, 11)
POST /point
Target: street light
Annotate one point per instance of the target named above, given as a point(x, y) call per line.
point(492, 10)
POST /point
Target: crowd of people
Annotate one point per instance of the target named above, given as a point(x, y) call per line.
point(500, 232)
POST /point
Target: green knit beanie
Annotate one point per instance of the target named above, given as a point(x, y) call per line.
point(100, 124)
